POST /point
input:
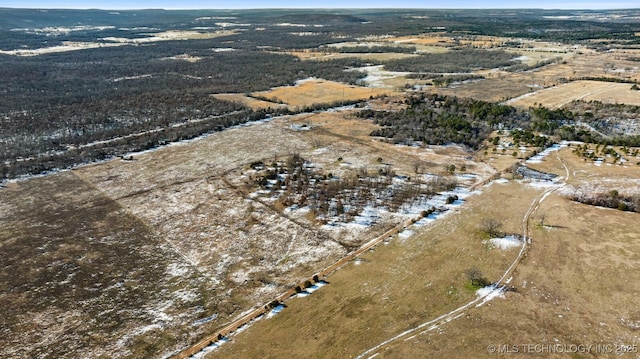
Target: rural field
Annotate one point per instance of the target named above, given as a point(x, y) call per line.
point(313, 91)
point(330, 184)
point(569, 267)
point(558, 96)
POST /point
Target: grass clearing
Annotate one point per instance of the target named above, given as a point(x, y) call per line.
point(565, 295)
point(423, 39)
point(393, 288)
point(314, 91)
point(326, 56)
point(251, 102)
point(558, 96)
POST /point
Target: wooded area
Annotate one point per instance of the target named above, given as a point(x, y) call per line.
point(62, 109)
point(436, 119)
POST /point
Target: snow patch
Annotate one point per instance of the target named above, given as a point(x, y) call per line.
point(275, 310)
point(405, 234)
point(506, 242)
point(547, 151)
point(489, 292)
point(177, 270)
point(316, 286)
point(203, 353)
point(205, 320)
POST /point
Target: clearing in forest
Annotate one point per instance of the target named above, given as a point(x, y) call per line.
point(556, 97)
point(315, 91)
point(253, 103)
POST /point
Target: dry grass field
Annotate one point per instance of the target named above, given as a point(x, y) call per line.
point(251, 102)
point(558, 96)
point(423, 39)
point(576, 287)
point(84, 277)
point(306, 93)
point(314, 91)
point(578, 257)
point(325, 56)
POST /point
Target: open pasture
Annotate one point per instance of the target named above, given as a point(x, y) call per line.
point(315, 91)
point(558, 96)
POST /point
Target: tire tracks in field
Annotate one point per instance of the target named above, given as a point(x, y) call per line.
point(498, 287)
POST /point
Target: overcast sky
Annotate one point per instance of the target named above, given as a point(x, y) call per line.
point(253, 4)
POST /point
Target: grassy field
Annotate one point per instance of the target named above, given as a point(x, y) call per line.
point(251, 102)
point(560, 95)
point(83, 277)
point(325, 56)
point(423, 39)
point(575, 287)
point(578, 256)
point(314, 91)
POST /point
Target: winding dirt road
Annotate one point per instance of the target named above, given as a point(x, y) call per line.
point(496, 289)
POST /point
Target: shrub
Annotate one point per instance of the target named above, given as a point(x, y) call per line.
point(475, 276)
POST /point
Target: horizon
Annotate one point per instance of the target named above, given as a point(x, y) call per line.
point(167, 5)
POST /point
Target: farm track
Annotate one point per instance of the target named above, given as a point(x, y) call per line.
point(265, 308)
point(498, 286)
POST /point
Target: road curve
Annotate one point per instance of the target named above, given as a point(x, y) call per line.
point(498, 286)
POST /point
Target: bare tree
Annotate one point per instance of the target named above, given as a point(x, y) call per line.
point(542, 217)
point(491, 226)
point(476, 277)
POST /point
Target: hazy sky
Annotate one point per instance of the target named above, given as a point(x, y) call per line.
point(239, 4)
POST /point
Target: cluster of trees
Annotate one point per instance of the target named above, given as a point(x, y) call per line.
point(528, 137)
point(297, 182)
point(601, 151)
point(607, 119)
point(68, 156)
point(438, 119)
point(444, 81)
point(611, 199)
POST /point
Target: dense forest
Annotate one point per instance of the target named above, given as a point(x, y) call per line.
point(437, 119)
point(61, 109)
point(105, 94)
